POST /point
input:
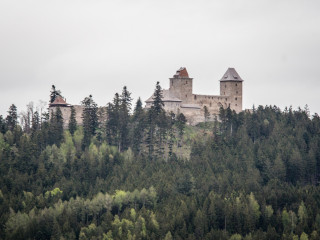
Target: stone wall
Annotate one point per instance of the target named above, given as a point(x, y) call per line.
point(182, 88)
point(234, 91)
point(172, 106)
point(212, 102)
point(66, 113)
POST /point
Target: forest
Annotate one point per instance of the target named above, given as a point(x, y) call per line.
point(147, 174)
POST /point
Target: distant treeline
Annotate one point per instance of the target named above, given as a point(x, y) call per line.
point(252, 175)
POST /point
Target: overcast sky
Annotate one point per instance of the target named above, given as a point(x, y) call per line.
point(97, 47)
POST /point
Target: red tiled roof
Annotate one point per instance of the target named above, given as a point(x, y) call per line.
point(59, 101)
point(182, 72)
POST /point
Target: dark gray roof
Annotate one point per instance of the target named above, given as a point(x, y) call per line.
point(167, 97)
point(231, 75)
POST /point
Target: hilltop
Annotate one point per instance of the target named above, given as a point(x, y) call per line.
point(148, 175)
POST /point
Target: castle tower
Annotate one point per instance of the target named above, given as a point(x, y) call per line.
point(64, 107)
point(231, 87)
point(181, 85)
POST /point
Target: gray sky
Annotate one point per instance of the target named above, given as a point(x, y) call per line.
point(97, 47)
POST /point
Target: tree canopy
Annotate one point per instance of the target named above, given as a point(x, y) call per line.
point(252, 175)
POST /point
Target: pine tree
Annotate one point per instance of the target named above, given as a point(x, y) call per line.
point(35, 123)
point(171, 134)
point(12, 117)
point(153, 121)
point(137, 109)
point(72, 121)
point(113, 123)
point(157, 105)
point(54, 93)
point(3, 125)
point(138, 125)
point(90, 120)
point(56, 127)
point(59, 126)
point(223, 119)
point(124, 118)
point(181, 124)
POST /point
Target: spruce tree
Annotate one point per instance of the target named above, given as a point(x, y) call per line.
point(3, 125)
point(12, 117)
point(35, 126)
point(72, 122)
point(56, 127)
point(45, 130)
point(113, 123)
point(90, 120)
point(138, 125)
point(124, 118)
point(157, 105)
point(150, 134)
point(137, 109)
point(181, 124)
point(171, 133)
point(157, 124)
point(59, 126)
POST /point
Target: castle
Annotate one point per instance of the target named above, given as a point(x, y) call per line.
point(66, 110)
point(180, 98)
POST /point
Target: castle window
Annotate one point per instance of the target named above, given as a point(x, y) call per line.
point(186, 95)
point(226, 99)
point(236, 99)
point(225, 86)
point(236, 84)
point(195, 97)
point(236, 104)
point(236, 92)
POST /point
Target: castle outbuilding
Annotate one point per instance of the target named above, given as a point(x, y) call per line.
point(180, 98)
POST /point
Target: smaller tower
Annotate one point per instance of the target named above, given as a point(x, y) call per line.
point(181, 85)
point(64, 107)
point(231, 87)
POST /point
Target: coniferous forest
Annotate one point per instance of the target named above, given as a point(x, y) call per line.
point(146, 174)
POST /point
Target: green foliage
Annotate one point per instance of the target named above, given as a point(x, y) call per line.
point(89, 120)
point(54, 193)
point(72, 121)
point(56, 127)
point(235, 237)
point(12, 117)
point(304, 236)
point(254, 175)
point(206, 113)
